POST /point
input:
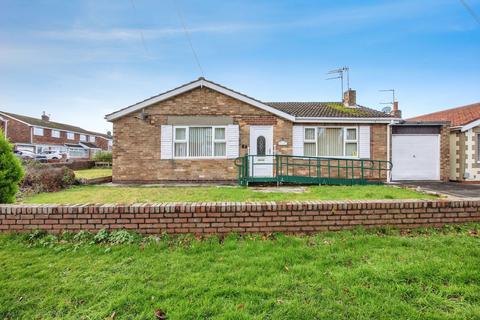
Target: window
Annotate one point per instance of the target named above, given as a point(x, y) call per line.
point(331, 141)
point(199, 142)
point(55, 134)
point(91, 139)
point(38, 131)
point(261, 146)
point(70, 136)
point(83, 137)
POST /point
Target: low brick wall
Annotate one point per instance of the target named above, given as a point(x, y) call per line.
point(221, 218)
point(75, 164)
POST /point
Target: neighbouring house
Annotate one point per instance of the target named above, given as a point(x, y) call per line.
point(195, 132)
point(37, 135)
point(464, 140)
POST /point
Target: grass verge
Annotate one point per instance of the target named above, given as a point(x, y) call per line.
point(382, 274)
point(106, 194)
point(93, 173)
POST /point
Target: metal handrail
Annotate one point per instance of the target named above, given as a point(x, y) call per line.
point(321, 170)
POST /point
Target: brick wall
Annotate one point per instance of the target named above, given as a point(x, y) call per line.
point(222, 218)
point(17, 132)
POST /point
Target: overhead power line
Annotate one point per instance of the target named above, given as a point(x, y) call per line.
point(470, 10)
point(142, 38)
point(187, 35)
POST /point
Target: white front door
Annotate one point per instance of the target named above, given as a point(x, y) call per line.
point(261, 149)
point(416, 157)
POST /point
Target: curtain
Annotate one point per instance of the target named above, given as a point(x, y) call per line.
point(200, 142)
point(330, 142)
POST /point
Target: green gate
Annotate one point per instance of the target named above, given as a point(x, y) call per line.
point(311, 170)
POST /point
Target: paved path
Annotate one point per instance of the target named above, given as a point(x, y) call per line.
point(459, 190)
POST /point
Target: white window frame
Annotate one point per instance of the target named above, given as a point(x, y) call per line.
point(37, 133)
point(70, 135)
point(83, 138)
point(57, 135)
point(186, 140)
point(345, 141)
point(91, 139)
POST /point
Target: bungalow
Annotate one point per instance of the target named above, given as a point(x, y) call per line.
point(37, 135)
point(464, 140)
point(195, 132)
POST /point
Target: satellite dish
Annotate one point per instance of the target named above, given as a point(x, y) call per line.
point(387, 110)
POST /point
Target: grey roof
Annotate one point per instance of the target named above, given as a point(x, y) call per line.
point(296, 109)
point(52, 124)
point(326, 110)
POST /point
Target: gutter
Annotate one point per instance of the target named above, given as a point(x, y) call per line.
point(346, 120)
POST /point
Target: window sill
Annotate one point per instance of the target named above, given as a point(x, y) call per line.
point(199, 158)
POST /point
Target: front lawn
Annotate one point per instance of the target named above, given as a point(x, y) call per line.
point(108, 194)
point(346, 275)
point(93, 173)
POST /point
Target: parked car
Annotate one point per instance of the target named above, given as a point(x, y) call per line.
point(25, 155)
point(40, 158)
point(54, 155)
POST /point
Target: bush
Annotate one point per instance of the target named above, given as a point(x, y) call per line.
point(41, 177)
point(103, 156)
point(11, 171)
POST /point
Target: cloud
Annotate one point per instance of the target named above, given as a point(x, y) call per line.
point(128, 34)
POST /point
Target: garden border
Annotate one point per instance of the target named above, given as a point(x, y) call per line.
point(296, 217)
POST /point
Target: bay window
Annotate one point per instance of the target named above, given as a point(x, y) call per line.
point(331, 141)
point(199, 142)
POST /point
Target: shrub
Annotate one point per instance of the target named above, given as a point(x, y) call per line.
point(103, 156)
point(41, 177)
point(11, 171)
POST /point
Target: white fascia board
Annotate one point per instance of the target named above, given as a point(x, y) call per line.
point(191, 86)
point(470, 125)
point(347, 120)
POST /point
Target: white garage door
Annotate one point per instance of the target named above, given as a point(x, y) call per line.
point(416, 157)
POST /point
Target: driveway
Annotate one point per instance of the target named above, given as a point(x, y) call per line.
point(459, 190)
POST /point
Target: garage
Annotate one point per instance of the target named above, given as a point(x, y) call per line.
point(416, 151)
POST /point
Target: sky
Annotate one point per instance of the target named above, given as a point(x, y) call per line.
point(79, 60)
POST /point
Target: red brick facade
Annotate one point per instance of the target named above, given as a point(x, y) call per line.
point(17, 132)
point(223, 218)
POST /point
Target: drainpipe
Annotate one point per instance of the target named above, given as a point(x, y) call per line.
point(389, 136)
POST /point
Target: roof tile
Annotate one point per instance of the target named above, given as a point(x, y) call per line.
point(459, 116)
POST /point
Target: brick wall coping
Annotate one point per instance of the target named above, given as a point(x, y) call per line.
point(175, 207)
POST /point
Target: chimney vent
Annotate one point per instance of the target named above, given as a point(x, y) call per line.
point(45, 117)
point(350, 98)
point(395, 112)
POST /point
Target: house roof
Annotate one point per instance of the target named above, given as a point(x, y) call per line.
point(458, 116)
point(326, 110)
point(51, 124)
point(289, 110)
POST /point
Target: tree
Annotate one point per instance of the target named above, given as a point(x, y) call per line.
point(11, 171)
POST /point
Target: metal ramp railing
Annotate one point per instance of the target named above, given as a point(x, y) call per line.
point(310, 170)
